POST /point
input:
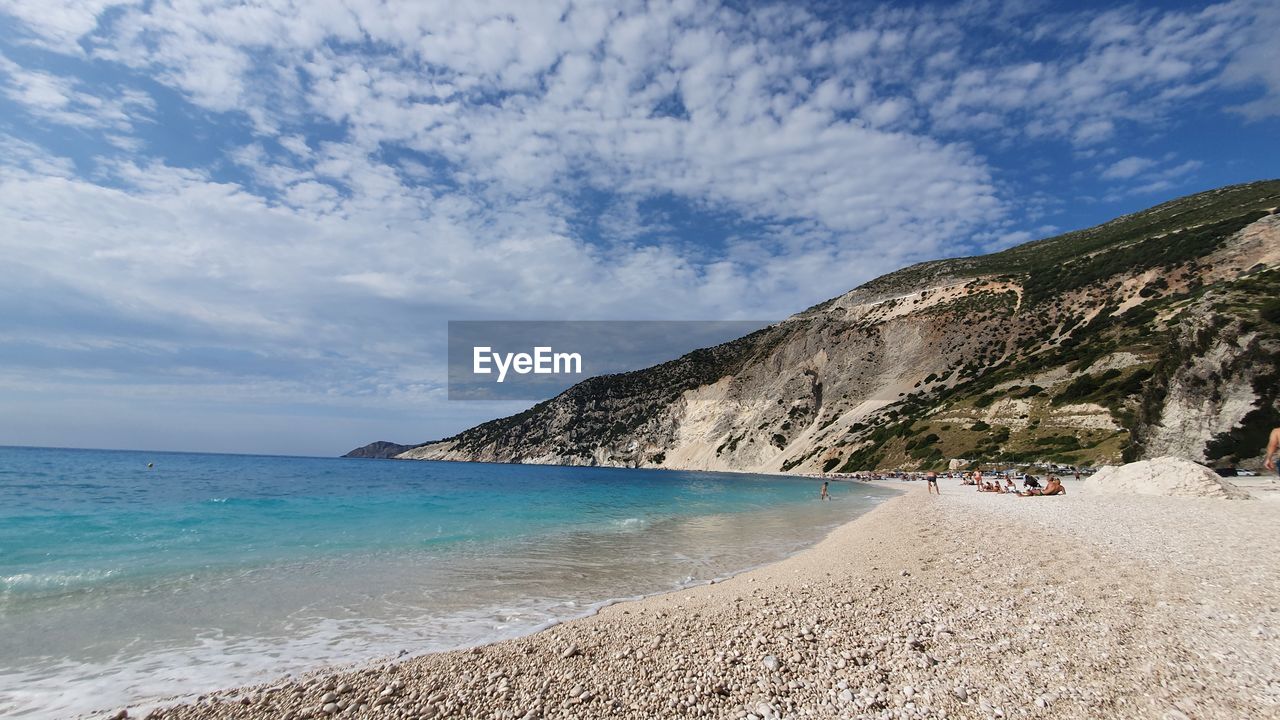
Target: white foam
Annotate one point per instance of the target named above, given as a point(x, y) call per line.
point(59, 688)
point(45, 581)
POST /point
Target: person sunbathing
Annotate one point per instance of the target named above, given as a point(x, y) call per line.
point(1053, 487)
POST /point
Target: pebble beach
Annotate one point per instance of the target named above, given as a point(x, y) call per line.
point(964, 605)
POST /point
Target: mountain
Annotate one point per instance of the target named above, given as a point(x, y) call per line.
point(379, 450)
point(1157, 333)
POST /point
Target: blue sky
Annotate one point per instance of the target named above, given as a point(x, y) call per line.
point(244, 226)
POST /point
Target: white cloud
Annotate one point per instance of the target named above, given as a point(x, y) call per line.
point(31, 158)
point(1127, 168)
point(1145, 176)
point(1126, 66)
point(1255, 63)
point(1093, 132)
point(1007, 240)
point(63, 100)
point(59, 26)
point(411, 162)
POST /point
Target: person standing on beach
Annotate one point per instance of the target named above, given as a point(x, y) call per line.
point(931, 480)
point(977, 479)
point(1272, 446)
point(824, 495)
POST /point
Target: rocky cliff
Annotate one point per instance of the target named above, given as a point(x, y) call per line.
point(1155, 333)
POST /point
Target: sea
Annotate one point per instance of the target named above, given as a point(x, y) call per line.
point(130, 577)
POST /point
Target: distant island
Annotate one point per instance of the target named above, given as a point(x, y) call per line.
point(380, 450)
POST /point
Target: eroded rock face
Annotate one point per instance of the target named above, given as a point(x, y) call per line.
point(1136, 338)
point(1213, 388)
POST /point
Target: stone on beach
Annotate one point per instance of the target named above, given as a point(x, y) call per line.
point(1167, 476)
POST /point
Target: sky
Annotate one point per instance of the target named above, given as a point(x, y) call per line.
point(243, 227)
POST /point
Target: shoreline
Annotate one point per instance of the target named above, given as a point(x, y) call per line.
point(898, 613)
point(119, 639)
point(353, 661)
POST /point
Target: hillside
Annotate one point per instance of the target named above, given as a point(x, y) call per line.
point(379, 450)
point(1156, 333)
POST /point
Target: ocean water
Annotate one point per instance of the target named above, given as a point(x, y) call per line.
point(122, 584)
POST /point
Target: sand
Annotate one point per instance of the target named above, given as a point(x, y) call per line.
point(968, 605)
point(1165, 476)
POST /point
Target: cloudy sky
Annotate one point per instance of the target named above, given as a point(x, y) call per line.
point(243, 226)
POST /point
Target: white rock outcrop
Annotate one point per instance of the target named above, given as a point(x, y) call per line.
point(1166, 476)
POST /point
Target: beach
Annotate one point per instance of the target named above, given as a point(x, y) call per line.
point(964, 605)
point(122, 585)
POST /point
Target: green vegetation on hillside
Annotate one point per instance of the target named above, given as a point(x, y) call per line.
point(1045, 257)
point(1044, 336)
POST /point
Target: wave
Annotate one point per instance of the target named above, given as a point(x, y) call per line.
point(63, 687)
point(53, 581)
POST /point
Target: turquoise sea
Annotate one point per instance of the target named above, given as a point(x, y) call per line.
point(122, 583)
